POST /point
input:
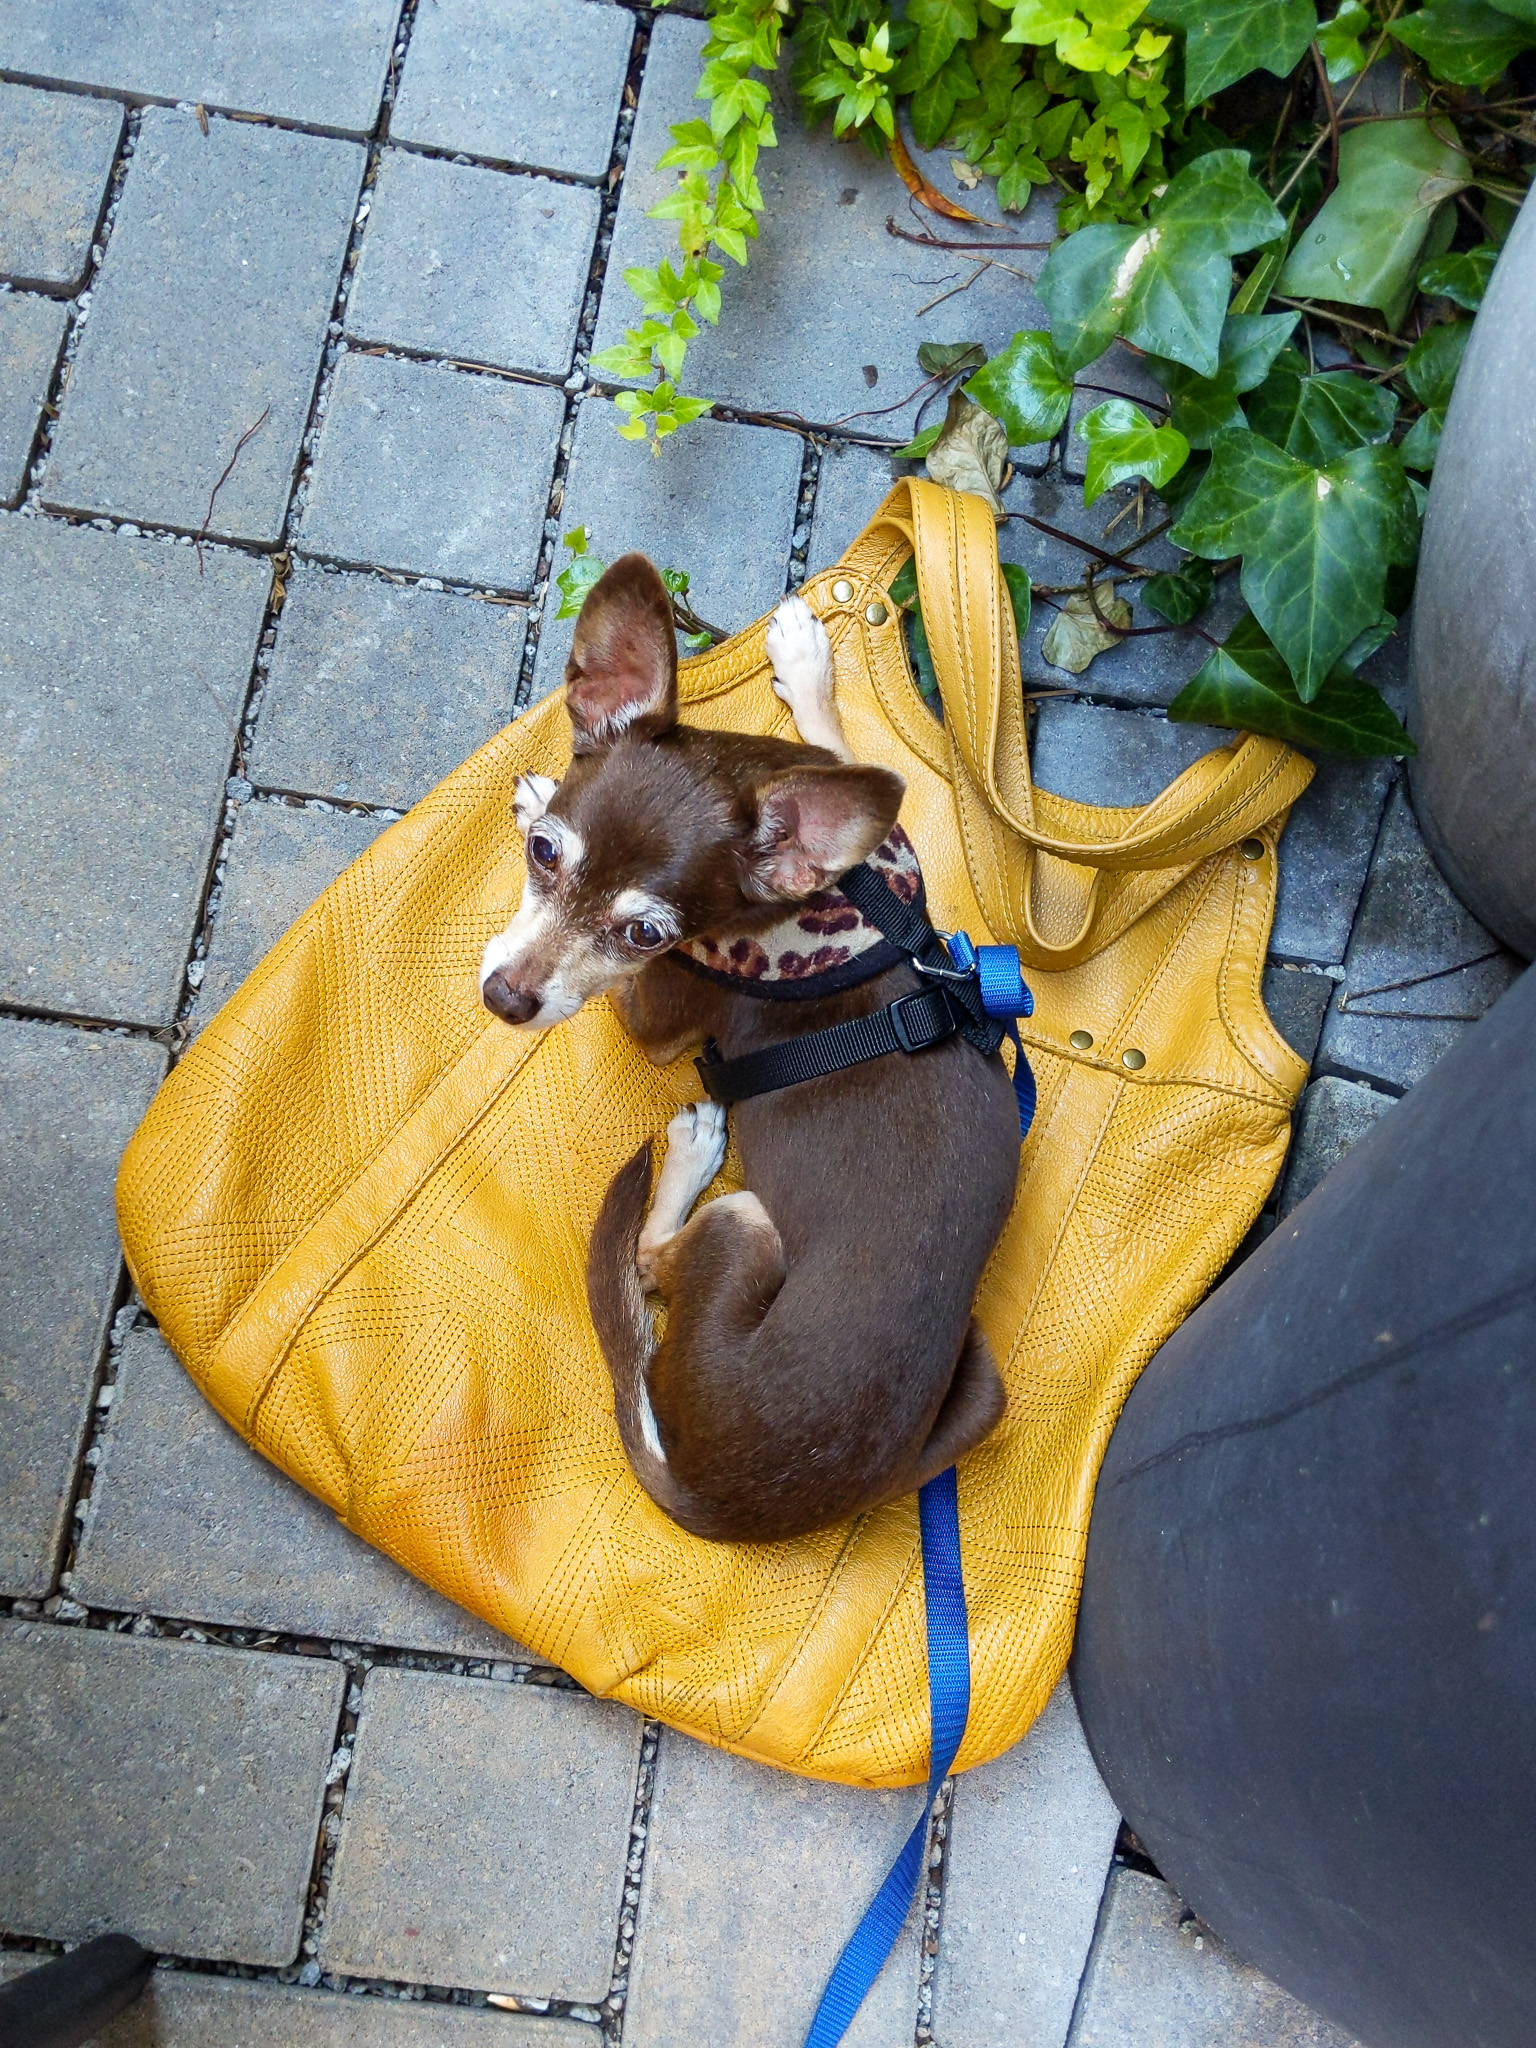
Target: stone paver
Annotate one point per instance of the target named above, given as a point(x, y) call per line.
point(1419, 970)
point(528, 82)
point(1334, 1116)
point(852, 482)
point(118, 665)
point(1158, 1979)
point(56, 151)
point(210, 310)
point(280, 859)
point(377, 690)
point(183, 2009)
point(484, 1836)
point(1297, 1002)
point(1103, 756)
point(166, 1790)
point(477, 264)
point(1030, 1841)
point(753, 1881)
point(186, 1520)
point(322, 63)
point(31, 334)
point(68, 1103)
point(1324, 857)
point(828, 295)
point(433, 471)
point(720, 503)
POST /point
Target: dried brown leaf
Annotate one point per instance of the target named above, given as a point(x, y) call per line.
point(971, 453)
point(1078, 635)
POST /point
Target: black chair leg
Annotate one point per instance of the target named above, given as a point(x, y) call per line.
point(62, 2003)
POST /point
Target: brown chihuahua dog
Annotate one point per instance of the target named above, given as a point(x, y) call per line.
point(819, 1355)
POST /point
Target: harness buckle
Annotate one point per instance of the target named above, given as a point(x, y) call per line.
point(918, 1022)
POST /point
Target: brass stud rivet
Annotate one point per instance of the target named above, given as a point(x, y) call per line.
point(1133, 1059)
point(876, 614)
point(1081, 1041)
point(842, 591)
point(1252, 849)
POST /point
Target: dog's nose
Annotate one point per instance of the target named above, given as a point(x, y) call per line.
point(512, 1005)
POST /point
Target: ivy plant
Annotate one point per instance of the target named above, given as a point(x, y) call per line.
point(1292, 262)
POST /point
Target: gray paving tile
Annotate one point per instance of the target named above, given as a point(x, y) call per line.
point(483, 265)
point(753, 1881)
point(1158, 1979)
point(1100, 755)
point(183, 2009)
point(210, 308)
point(852, 482)
point(69, 1100)
point(1119, 373)
point(279, 861)
point(531, 82)
point(1150, 669)
point(1419, 970)
point(1324, 856)
point(719, 502)
point(31, 333)
point(484, 1836)
point(56, 152)
point(118, 665)
point(1297, 1002)
point(186, 1520)
point(170, 1791)
point(377, 689)
point(1334, 1116)
point(322, 63)
point(828, 295)
point(1030, 1842)
point(433, 471)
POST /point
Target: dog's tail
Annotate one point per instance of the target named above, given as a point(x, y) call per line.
point(623, 1323)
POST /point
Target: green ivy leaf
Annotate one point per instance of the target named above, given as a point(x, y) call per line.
point(940, 25)
point(580, 573)
point(693, 148)
point(918, 446)
point(1025, 387)
point(1463, 41)
point(1226, 39)
point(1245, 684)
point(1163, 287)
point(1204, 406)
point(1122, 443)
point(1019, 595)
point(1339, 41)
point(1252, 295)
point(1431, 370)
point(1463, 278)
point(1363, 247)
point(945, 358)
point(1315, 541)
point(1318, 417)
point(1181, 594)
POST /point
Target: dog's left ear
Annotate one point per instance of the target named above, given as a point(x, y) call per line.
point(622, 672)
point(813, 824)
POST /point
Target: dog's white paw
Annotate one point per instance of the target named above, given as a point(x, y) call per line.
point(801, 654)
point(530, 800)
point(696, 1139)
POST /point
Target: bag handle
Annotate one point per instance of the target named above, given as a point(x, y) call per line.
point(1057, 893)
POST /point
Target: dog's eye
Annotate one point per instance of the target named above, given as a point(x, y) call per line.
point(543, 850)
point(644, 934)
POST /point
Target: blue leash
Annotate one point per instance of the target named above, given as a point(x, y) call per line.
point(1005, 996)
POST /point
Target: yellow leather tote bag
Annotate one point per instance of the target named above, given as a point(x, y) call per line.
point(359, 1207)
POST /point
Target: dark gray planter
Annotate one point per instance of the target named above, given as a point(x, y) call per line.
point(1473, 713)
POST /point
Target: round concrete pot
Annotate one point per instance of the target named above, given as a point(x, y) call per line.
point(1473, 713)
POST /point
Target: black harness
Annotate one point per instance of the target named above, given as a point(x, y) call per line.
point(958, 1002)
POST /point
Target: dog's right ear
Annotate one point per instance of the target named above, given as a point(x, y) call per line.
point(622, 672)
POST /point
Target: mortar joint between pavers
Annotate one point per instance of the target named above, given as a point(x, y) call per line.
point(805, 512)
point(1326, 1068)
point(610, 188)
point(935, 1870)
point(612, 2009)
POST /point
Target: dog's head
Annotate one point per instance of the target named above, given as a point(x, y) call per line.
point(661, 832)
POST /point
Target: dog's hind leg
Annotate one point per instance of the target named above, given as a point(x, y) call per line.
point(695, 1147)
point(970, 1411)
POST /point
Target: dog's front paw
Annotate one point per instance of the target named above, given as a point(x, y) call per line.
point(530, 800)
point(696, 1138)
point(801, 655)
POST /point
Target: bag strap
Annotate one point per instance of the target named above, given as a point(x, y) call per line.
point(1058, 878)
point(949, 1705)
